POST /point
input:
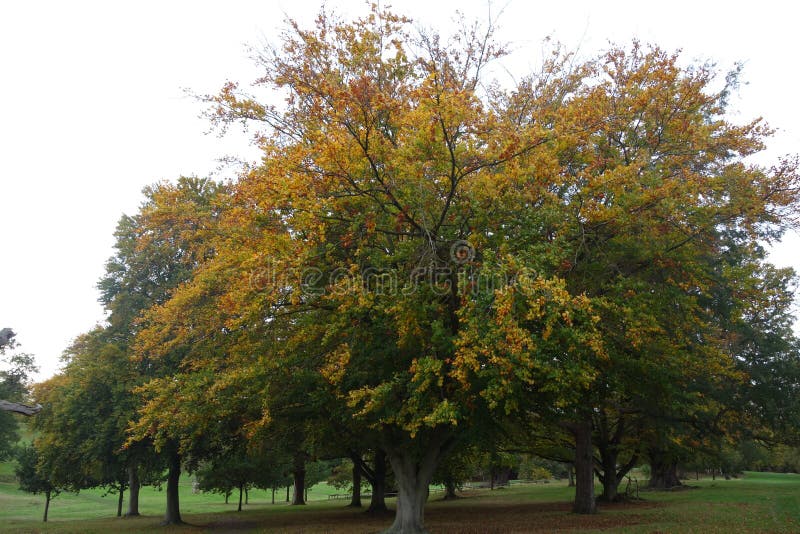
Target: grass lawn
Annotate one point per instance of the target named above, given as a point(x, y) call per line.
point(758, 502)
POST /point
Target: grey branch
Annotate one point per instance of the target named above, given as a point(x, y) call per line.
point(6, 334)
point(19, 408)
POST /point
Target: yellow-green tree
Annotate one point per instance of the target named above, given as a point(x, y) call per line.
point(428, 252)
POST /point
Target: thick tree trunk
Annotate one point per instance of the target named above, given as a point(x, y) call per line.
point(450, 489)
point(133, 494)
point(173, 513)
point(119, 502)
point(241, 492)
point(413, 477)
point(663, 471)
point(355, 497)
point(47, 496)
point(377, 503)
point(299, 474)
point(584, 469)
point(612, 476)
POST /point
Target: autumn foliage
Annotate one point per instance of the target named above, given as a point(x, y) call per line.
point(423, 254)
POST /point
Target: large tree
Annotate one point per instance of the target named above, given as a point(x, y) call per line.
point(434, 253)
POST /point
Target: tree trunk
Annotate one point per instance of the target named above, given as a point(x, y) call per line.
point(173, 514)
point(355, 497)
point(663, 471)
point(571, 475)
point(119, 502)
point(287, 493)
point(377, 503)
point(246, 494)
point(584, 469)
point(413, 478)
point(133, 494)
point(227, 496)
point(47, 495)
point(241, 491)
point(299, 474)
point(273, 495)
point(450, 489)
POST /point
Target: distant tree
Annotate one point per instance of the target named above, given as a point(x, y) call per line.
point(32, 477)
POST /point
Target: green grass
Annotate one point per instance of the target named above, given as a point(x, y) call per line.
point(758, 502)
point(17, 506)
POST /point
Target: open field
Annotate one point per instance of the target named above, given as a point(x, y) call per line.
point(759, 502)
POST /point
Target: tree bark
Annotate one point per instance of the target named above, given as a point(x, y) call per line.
point(377, 503)
point(663, 471)
point(450, 490)
point(173, 513)
point(47, 495)
point(611, 477)
point(413, 477)
point(299, 474)
point(133, 494)
point(584, 468)
point(241, 492)
point(355, 496)
point(119, 502)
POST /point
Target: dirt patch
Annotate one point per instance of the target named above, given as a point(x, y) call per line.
point(465, 516)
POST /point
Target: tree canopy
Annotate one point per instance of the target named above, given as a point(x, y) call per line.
point(424, 254)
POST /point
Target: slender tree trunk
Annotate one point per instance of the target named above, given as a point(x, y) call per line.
point(173, 514)
point(47, 495)
point(287, 493)
point(377, 503)
point(273, 495)
point(584, 469)
point(355, 497)
point(133, 494)
point(227, 496)
point(246, 494)
point(571, 475)
point(119, 501)
point(299, 473)
point(241, 491)
point(413, 477)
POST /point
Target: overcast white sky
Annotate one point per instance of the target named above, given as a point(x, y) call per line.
point(93, 109)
